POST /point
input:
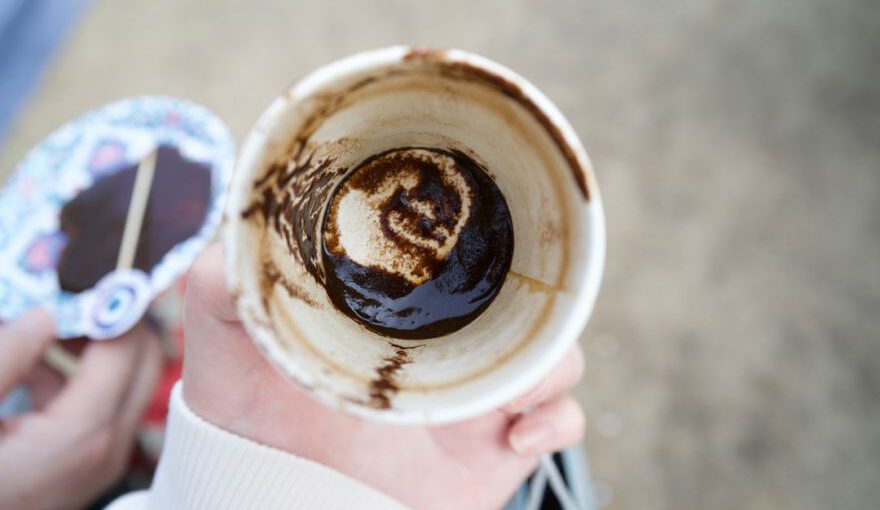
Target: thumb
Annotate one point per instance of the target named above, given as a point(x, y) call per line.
point(219, 358)
point(22, 344)
point(206, 292)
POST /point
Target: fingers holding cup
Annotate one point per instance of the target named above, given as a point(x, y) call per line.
point(561, 379)
point(552, 426)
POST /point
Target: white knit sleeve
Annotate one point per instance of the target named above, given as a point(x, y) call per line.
point(205, 467)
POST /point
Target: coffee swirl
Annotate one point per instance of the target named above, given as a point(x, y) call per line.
point(401, 213)
point(417, 242)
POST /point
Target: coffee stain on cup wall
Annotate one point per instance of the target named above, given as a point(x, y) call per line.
point(272, 277)
point(385, 386)
point(464, 70)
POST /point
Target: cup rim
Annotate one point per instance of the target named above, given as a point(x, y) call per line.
point(581, 306)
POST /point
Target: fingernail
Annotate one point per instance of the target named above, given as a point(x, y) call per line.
point(531, 438)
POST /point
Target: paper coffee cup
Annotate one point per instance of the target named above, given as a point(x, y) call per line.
point(324, 126)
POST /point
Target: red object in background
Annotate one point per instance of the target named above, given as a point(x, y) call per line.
point(168, 311)
point(157, 411)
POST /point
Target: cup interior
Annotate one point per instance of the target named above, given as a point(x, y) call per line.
point(323, 127)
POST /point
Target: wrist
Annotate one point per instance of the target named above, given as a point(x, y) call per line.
point(219, 469)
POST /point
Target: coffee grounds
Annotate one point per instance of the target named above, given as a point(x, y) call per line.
point(416, 243)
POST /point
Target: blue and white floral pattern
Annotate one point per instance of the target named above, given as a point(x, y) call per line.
point(69, 161)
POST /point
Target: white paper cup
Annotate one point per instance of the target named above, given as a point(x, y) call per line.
point(338, 116)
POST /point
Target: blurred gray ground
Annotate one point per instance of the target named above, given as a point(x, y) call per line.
point(734, 356)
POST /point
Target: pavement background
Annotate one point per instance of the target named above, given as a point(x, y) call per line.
point(734, 356)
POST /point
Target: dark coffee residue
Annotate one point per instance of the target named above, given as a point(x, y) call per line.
point(384, 386)
point(460, 286)
point(465, 71)
point(272, 276)
point(290, 198)
point(95, 219)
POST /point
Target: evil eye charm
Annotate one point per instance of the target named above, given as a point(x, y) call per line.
point(120, 300)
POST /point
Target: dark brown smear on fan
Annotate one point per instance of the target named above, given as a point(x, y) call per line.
point(461, 286)
point(95, 219)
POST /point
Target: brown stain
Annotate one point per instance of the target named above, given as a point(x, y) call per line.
point(463, 70)
point(533, 284)
point(405, 347)
point(254, 317)
point(266, 287)
point(425, 54)
point(502, 359)
point(312, 350)
point(274, 277)
point(325, 105)
point(289, 198)
point(550, 234)
point(384, 385)
point(251, 209)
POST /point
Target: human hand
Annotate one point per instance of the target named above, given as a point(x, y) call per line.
point(476, 464)
point(76, 441)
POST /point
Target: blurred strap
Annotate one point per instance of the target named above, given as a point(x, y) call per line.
point(62, 361)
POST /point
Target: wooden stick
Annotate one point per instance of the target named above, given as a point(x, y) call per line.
point(61, 360)
point(140, 195)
